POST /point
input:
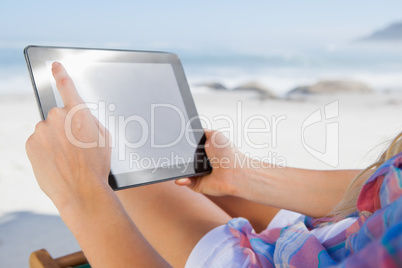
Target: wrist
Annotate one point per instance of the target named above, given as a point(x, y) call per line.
point(84, 201)
point(255, 181)
point(246, 170)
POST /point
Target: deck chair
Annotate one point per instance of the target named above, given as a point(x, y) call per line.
point(42, 259)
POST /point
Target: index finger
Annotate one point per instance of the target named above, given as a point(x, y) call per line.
point(65, 85)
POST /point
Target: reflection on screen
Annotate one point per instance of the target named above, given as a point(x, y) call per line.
point(141, 106)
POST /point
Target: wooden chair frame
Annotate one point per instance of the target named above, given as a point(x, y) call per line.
point(42, 259)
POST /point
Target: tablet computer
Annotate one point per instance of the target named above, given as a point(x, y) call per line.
point(141, 97)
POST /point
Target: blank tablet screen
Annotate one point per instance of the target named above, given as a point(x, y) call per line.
point(156, 133)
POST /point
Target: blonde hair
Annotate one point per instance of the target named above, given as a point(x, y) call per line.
point(348, 204)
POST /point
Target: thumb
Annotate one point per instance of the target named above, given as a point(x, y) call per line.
point(183, 181)
point(189, 182)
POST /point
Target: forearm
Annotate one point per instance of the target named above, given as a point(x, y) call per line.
point(310, 192)
point(107, 235)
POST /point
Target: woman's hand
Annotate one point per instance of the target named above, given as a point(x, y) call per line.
point(227, 170)
point(69, 151)
point(70, 156)
point(310, 192)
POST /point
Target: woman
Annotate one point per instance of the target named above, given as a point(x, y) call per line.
point(164, 224)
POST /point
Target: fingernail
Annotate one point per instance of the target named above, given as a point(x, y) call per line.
point(182, 181)
point(55, 65)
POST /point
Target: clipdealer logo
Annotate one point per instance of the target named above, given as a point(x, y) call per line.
point(329, 117)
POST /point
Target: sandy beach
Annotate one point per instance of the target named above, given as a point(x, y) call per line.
point(29, 221)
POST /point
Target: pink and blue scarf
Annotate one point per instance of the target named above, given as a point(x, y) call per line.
point(371, 241)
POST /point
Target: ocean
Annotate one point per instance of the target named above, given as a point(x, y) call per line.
point(379, 66)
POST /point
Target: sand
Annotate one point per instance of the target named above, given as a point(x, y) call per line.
point(29, 221)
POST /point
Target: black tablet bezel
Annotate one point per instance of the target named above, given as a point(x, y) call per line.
point(36, 58)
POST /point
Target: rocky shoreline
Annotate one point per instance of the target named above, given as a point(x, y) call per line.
point(264, 92)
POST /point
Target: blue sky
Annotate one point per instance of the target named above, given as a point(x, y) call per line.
point(246, 26)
